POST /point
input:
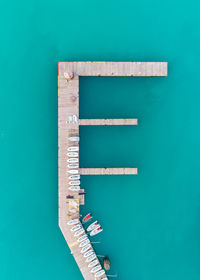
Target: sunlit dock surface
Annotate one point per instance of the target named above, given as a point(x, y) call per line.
point(68, 126)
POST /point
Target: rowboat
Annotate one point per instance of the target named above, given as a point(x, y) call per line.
point(72, 160)
point(74, 171)
point(77, 227)
point(87, 247)
point(96, 231)
point(73, 222)
point(79, 232)
point(74, 183)
point(74, 177)
point(73, 149)
point(74, 188)
point(92, 226)
point(82, 238)
point(74, 139)
point(96, 268)
point(73, 165)
point(84, 243)
point(100, 273)
point(91, 258)
point(87, 218)
point(89, 253)
point(72, 154)
point(93, 263)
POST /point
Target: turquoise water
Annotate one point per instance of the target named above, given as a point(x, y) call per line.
point(151, 221)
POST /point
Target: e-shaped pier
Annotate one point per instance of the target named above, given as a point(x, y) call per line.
point(68, 126)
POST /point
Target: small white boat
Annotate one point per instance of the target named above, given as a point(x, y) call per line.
point(105, 278)
point(87, 247)
point(100, 273)
point(92, 226)
point(91, 258)
point(72, 154)
point(88, 253)
point(74, 139)
point(93, 263)
point(74, 188)
point(73, 222)
point(79, 232)
point(96, 268)
point(73, 149)
point(74, 183)
point(74, 177)
point(84, 243)
point(73, 165)
point(96, 231)
point(74, 171)
point(77, 227)
point(72, 160)
point(82, 238)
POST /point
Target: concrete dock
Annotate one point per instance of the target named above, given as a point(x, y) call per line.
point(68, 126)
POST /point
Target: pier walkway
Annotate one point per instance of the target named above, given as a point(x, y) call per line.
point(68, 126)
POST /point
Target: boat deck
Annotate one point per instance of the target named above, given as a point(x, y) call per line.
point(68, 125)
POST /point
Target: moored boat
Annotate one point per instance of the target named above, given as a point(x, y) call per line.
point(89, 253)
point(73, 149)
point(100, 273)
point(93, 263)
point(82, 238)
point(84, 243)
point(72, 154)
point(74, 177)
point(73, 222)
point(92, 226)
point(96, 231)
point(87, 247)
point(73, 165)
point(96, 268)
point(74, 139)
point(72, 160)
point(74, 188)
point(91, 258)
point(74, 171)
point(106, 263)
point(87, 218)
point(74, 183)
point(77, 227)
point(79, 232)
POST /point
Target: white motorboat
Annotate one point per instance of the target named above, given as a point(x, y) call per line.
point(72, 160)
point(96, 231)
point(105, 278)
point(74, 139)
point(74, 188)
point(73, 149)
point(73, 171)
point(74, 183)
point(73, 165)
point(93, 263)
point(84, 243)
point(91, 258)
point(96, 268)
point(82, 238)
point(87, 247)
point(73, 222)
point(77, 227)
point(92, 226)
point(88, 253)
point(79, 232)
point(72, 154)
point(74, 177)
point(100, 273)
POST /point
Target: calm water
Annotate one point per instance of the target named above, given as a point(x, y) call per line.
point(151, 221)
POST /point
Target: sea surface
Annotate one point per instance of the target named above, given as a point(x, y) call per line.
point(151, 221)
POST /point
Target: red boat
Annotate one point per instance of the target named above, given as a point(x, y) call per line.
point(87, 218)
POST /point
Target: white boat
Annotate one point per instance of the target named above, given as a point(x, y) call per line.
point(74, 183)
point(91, 258)
point(105, 278)
point(79, 232)
point(74, 139)
point(74, 171)
point(73, 165)
point(72, 160)
point(72, 154)
point(100, 273)
point(73, 222)
point(74, 188)
point(87, 247)
point(84, 243)
point(88, 253)
point(74, 177)
point(93, 263)
point(73, 149)
point(96, 231)
point(82, 238)
point(96, 268)
point(77, 227)
point(92, 226)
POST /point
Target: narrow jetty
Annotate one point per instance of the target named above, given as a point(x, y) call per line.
point(68, 126)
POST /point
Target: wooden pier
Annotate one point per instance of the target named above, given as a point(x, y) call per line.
point(68, 126)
